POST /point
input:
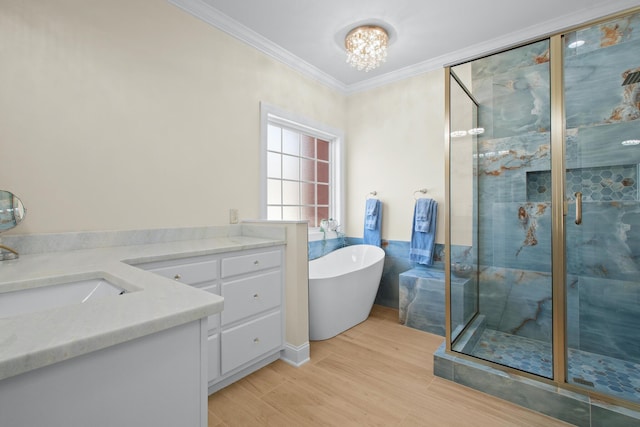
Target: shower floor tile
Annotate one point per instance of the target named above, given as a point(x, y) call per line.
point(607, 375)
point(517, 352)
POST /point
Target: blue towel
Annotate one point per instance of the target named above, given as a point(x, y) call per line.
point(425, 215)
point(372, 222)
point(371, 214)
point(422, 215)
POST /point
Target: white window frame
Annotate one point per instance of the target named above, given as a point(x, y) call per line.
point(272, 114)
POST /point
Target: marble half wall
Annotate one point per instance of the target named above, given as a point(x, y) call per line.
point(396, 262)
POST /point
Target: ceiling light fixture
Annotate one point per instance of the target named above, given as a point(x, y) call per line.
point(366, 47)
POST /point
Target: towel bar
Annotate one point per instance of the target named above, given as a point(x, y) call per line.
point(422, 190)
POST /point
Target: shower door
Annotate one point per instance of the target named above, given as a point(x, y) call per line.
point(508, 197)
point(602, 136)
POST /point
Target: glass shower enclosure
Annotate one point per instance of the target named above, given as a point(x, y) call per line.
point(543, 244)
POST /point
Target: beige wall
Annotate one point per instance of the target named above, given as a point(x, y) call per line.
point(395, 146)
point(132, 114)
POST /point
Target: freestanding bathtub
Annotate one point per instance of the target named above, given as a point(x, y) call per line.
point(342, 287)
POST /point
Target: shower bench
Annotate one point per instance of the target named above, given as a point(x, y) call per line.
point(422, 302)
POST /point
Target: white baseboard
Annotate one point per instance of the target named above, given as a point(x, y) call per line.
point(295, 355)
point(222, 382)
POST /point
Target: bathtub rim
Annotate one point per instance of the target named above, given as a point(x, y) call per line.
point(378, 250)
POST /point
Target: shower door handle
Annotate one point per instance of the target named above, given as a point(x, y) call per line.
point(578, 208)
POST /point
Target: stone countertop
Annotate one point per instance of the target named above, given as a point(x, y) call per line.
point(152, 303)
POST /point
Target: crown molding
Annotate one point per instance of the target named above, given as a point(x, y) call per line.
point(212, 16)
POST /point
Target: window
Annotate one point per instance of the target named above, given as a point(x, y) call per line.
point(298, 178)
point(302, 177)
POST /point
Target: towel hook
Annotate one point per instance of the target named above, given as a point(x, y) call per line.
point(422, 190)
point(371, 194)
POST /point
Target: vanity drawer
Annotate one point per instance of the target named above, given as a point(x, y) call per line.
point(250, 340)
point(190, 273)
point(248, 263)
point(251, 295)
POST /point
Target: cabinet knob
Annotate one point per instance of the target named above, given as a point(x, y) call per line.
point(256, 340)
point(256, 262)
point(256, 296)
point(178, 276)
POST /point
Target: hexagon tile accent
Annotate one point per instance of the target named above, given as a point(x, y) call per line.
point(607, 183)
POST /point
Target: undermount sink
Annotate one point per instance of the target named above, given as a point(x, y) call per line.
point(56, 295)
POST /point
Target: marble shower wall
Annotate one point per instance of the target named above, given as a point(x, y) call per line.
point(514, 189)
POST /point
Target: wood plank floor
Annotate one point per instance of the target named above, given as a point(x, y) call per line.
point(378, 373)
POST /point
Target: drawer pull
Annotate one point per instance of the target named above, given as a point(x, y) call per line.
point(256, 340)
point(178, 276)
point(256, 262)
point(256, 296)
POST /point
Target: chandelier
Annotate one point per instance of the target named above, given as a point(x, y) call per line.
point(366, 47)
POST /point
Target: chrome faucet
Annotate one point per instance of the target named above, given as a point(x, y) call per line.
point(7, 253)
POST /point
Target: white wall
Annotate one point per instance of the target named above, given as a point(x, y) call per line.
point(131, 114)
point(395, 146)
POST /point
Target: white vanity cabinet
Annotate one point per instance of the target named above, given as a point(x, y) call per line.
point(249, 333)
point(252, 321)
point(203, 273)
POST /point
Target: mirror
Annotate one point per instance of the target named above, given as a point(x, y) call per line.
point(12, 211)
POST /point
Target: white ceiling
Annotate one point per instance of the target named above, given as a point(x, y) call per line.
point(425, 35)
